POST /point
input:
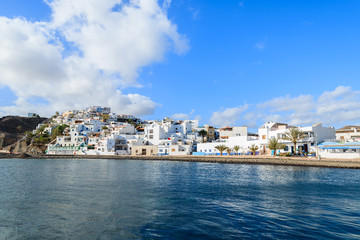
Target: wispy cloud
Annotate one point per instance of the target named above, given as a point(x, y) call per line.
point(308, 23)
point(257, 63)
point(180, 116)
point(195, 13)
point(259, 46)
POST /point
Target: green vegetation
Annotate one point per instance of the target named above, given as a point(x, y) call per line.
point(236, 149)
point(19, 129)
point(203, 133)
point(253, 148)
point(274, 144)
point(58, 130)
point(221, 148)
point(40, 130)
point(42, 138)
point(294, 135)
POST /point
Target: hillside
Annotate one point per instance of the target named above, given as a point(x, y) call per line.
point(12, 128)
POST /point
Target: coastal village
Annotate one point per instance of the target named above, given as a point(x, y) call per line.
point(98, 131)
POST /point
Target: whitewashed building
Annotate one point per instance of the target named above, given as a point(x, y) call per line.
point(313, 135)
point(337, 150)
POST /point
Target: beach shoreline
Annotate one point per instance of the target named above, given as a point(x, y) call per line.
point(259, 160)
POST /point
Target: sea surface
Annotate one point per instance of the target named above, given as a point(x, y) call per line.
point(118, 199)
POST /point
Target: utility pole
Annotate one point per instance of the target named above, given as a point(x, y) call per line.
point(317, 148)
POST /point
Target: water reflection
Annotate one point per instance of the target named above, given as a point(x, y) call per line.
point(109, 199)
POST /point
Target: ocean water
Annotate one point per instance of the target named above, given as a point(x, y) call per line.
point(117, 199)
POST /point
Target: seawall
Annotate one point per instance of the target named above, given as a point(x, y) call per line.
point(263, 160)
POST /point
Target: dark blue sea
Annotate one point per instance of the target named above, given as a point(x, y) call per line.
point(117, 199)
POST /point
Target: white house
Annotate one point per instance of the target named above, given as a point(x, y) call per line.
point(313, 135)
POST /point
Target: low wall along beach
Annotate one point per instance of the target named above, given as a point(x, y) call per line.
point(265, 160)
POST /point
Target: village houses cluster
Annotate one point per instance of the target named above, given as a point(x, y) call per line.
point(98, 131)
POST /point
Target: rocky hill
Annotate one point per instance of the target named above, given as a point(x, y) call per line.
point(12, 128)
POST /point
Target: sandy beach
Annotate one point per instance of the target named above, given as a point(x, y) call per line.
point(265, 160)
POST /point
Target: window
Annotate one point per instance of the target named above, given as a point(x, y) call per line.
point(160, 150)
point(151, 137)
point(263, 136)
point(136, 151)
point(152, 151)
point(151, 131)
point(173, 150)
point(209, 150)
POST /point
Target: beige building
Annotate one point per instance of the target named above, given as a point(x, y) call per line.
point(227, 132)
point(210, 133)
point(348, 134)
point(146, 150)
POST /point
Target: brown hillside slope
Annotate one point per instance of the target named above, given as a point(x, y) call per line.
point(9, 128)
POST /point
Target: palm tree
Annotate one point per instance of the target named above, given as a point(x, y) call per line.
point(221, 148)
point(202, 133)
point(253, 149)
point(294, 134)
point(274, 144)
point(236, 149)
point(228, 150)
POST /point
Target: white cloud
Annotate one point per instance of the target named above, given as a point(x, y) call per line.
point(331, 107)
point(110, 42)
point(228, 116)
point(287, 103)
point(183, 116)
point(340, 106)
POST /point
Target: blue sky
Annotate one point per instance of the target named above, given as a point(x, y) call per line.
point(223, 62)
